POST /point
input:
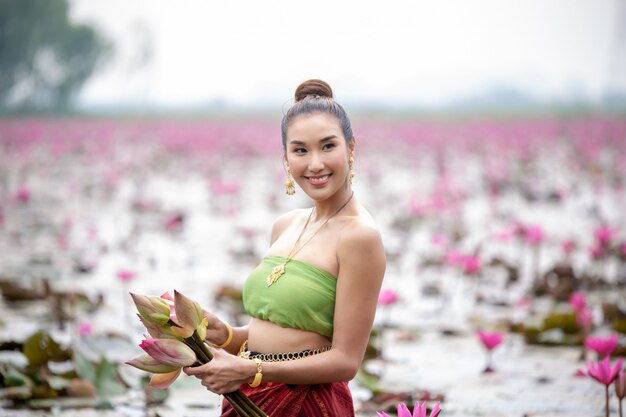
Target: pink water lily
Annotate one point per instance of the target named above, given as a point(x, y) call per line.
point(388, 297)
point(418, 411)
point(490, 339)
point(604, 235)
point(578, 300)
point(126, 275)
point(584, 319)
point(534, 234)
point(603, 346)
point(169, 352)
point(603, 372)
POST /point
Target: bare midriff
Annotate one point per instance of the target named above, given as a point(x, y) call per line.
point(267, 337)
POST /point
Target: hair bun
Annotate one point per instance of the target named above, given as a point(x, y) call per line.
point(313, 88)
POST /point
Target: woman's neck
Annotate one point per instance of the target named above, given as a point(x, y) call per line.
point(331, 206)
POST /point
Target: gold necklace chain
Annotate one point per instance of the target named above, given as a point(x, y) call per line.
point(279, 269)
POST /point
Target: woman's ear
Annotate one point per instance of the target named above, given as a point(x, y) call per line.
point(352, 145)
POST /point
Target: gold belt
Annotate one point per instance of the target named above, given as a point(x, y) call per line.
point(278, 357)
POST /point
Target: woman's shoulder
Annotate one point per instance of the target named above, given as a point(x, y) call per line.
point(282, 222)
point(360, 231)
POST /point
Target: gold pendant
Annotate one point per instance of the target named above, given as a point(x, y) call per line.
point(276, 273)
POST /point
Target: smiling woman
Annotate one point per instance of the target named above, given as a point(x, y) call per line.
point(312, 299)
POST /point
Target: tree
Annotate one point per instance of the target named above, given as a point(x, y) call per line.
point(44, 57)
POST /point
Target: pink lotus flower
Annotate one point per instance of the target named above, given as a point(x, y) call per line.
point(471, 264)
point(418, 411)
point(454, 258)
point(568, 246)
point(603, 346)
point(84, 329)
point(388, 297)
point(605, 374)
point(534, 235)
point(578, 301)
point(22, 195)
point(604, 235)
point(125, 275)
point(174, 222)
point(602, 371)
point(584, 319)
point(596, 251)
point(490, 339)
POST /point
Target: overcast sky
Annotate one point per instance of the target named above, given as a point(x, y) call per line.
point(405, 52)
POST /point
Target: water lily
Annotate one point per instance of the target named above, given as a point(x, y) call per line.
point(604, 373)
point(604, 235)
point(578, 300)
point(126, 275)
point(418, 411)
point(490, 341)
point(584, 319)
point(471, 264)
point(534, 234)
point(388, 297)
point(603, 346)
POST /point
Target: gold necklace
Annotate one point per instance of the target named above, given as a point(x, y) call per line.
point(279, 269)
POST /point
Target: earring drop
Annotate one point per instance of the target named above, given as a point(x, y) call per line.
point(290, 188)
point(352, 174)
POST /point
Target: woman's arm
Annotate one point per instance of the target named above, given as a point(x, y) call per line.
point(217, 334)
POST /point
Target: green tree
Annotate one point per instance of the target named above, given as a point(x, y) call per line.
point(44, 57)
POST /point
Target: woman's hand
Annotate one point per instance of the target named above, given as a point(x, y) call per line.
point(225, 373)
point(216, 331)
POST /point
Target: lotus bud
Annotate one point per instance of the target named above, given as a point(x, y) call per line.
point(189, 315)
point(169, 352)
point(147, 363)
point(153, 309)
point(162, 381)
point(620, 385)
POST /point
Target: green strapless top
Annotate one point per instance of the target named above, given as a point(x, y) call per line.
point(302, 298)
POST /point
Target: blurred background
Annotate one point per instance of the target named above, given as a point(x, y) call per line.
point(140, 151)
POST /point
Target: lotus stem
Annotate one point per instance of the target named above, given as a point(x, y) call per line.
point(606, 408)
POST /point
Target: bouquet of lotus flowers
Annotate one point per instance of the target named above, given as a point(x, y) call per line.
point(177, 327)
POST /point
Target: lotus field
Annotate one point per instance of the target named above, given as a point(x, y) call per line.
point(505, 290)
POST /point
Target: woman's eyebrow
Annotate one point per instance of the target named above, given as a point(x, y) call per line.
point(299, 142)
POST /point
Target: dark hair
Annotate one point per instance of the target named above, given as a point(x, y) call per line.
point(316, 96)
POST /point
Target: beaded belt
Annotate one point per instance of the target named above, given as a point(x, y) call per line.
point(278, 357)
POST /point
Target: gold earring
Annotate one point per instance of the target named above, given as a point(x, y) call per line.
point(290, 189)
point(352, 174)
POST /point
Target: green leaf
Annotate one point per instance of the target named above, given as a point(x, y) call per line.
point(13, 378)
point(41, 348)
point(84, 368)
point(107, 381)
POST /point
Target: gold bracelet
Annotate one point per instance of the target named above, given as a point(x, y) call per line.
point(259, 374)
point(228, 339)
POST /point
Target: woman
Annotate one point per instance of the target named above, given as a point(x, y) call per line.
point(313, 297)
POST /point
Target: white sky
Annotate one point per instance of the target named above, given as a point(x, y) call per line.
point(417, 52)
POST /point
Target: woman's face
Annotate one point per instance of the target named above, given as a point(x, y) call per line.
point(317, 154)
